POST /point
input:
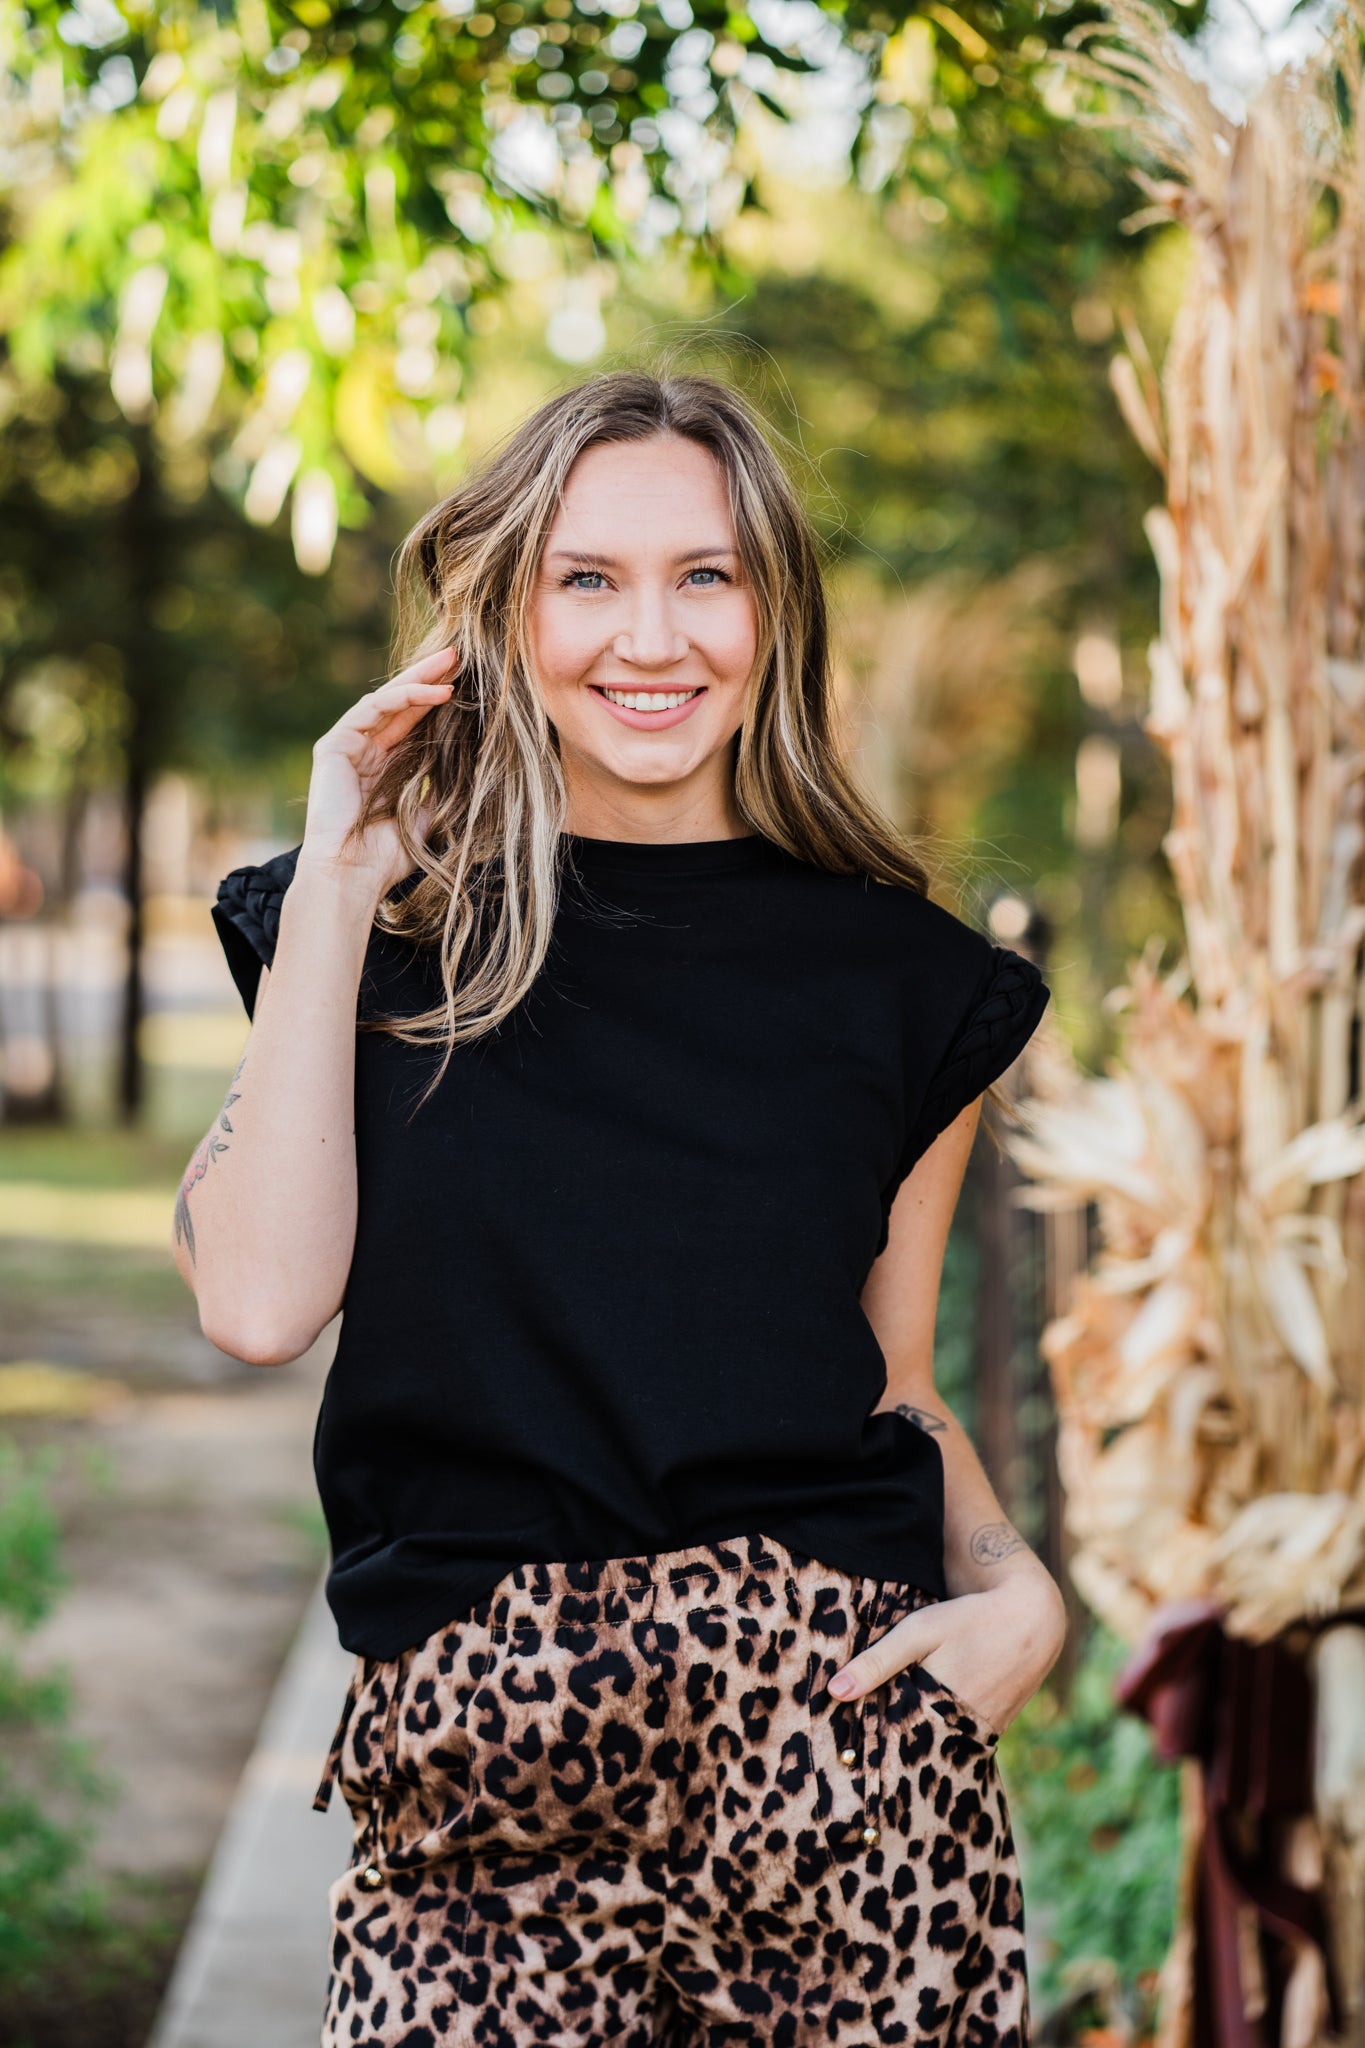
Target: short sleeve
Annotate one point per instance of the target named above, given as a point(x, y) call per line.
point(1002, 1015)
point(246, 916)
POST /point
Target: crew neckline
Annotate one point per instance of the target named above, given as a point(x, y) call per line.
point(664, 856)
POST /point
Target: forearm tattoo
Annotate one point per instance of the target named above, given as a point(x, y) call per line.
point(209, 1149)
point(923, 1418)
point(993, 1542)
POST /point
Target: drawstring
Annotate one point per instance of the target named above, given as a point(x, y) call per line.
point(368, 1849)
point(322, 1798)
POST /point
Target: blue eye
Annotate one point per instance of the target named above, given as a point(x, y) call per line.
point(575, 576)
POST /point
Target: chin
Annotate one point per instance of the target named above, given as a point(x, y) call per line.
point(649, 774)
point(651, 761)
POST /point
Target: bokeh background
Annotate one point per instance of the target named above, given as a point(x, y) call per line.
point(271, 276)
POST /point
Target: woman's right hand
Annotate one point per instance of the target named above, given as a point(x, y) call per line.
point(347, 760)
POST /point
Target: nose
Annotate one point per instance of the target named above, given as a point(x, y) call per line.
point(650, 638)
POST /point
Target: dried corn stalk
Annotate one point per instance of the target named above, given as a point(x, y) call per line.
point(1209, 1371)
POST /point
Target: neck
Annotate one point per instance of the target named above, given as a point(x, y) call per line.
point(636, 811)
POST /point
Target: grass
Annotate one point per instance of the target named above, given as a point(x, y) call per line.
point(86, 1265)
point(97, 1156)
point(104, 1981)
point(37, 1270)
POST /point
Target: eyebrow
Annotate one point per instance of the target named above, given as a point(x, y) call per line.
point(588, 557)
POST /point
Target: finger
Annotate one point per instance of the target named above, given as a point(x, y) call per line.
point(431, 667)
point(909, 1642)
point(399, 691)
point(432, 672)
point(393, 709)
point(399, 724)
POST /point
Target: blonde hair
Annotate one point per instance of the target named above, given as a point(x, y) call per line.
point(484, 767)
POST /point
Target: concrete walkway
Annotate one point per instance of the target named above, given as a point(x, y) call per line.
point(252, 1970)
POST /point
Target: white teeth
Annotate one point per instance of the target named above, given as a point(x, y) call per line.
point(649, 700)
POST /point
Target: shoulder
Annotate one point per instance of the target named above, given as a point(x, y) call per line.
point(913, 936)
point(246, 916)
point(256, 891)
point(250, 897)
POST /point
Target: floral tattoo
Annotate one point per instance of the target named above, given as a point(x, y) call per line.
point(993, 1542)
point(208, 1149)
point(923, 1418)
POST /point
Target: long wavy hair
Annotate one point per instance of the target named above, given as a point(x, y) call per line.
point(476, 788)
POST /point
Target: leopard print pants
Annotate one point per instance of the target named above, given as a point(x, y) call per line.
point(616, 1803)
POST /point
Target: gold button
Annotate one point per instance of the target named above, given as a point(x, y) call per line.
point(370, 1879)
point(870, 1835)
point(848, 1756)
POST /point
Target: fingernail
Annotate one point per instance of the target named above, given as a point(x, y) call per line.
point(841, 1685)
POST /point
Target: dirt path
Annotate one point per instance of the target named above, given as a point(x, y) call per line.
point(191, 1540)
point(191, 1564)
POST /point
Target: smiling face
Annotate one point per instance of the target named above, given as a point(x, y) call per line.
point(643, 635)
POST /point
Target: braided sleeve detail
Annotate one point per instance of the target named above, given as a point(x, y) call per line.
point(246, 916)
point(997, 1028)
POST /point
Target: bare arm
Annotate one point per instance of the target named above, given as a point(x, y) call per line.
point(265, 1218)
point(901, 1301)
point(1002, 1627)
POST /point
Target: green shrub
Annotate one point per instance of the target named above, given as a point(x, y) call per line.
point(47, 1784)
point(1098, 1818)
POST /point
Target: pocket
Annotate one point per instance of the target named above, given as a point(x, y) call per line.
point(435, 1727)
point(966, 1721)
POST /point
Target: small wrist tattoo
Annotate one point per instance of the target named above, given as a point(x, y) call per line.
point(923, 1418)
point(993, 1542)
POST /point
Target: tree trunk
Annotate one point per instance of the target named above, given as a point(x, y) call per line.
point(131, 1091)
point(141, 652)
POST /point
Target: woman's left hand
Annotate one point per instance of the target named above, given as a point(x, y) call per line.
point(992, 1649)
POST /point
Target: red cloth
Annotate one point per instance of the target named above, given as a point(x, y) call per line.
point(1244, 1711)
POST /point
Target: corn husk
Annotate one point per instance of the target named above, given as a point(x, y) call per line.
point(1208, 1367)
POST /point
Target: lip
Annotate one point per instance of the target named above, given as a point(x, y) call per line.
point(650, 721)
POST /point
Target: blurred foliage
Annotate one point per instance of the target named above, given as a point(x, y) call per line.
point(274, 226)
point(951, 362)
point(1099, 1824)
point(103, 1983)
point(30, 1573)
point(165, 618)
point(47, 1784)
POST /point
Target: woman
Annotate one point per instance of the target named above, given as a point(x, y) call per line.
point(685, 1620)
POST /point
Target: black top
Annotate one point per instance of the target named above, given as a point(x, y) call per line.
point(604, 1298)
